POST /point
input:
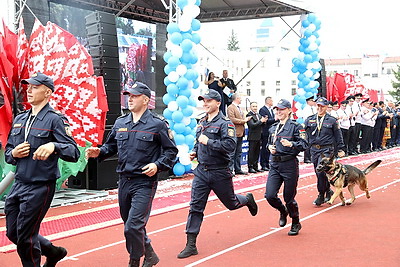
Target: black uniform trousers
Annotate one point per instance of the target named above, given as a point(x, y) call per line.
point(205, 180)
point(352, 139)
point(366, 138)
point(253, 154)
point(286, 172)
point(25, 207)
point(346, 137)
point(316, 156)
point(264, 153)
point(234, 164)
point(135, 196)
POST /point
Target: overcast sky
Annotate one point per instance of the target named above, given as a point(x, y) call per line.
point(349, 28)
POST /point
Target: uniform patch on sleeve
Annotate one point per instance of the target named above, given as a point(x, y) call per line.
point(68, 131)
point(170, 134)
point(231, 132)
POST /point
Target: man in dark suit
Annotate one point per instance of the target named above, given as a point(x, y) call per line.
point(254, 137)
point(267, 112)
point(227, 82)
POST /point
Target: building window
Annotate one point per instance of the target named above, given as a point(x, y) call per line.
point(263, 63)
point(388, 71)
point(248, 92)
point(367, 74)
point(355, 72)
point(262, 83)
point(374, 75)
point(278, 83)
point(227, 63)
point(263, 92)
point(293, 91)
point(294, 82)
point(248, 83)
point(278, 62)
point(248, 63)
point(278, 91)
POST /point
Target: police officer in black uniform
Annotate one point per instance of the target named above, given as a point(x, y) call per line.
point(287, 140)
point(38, 138)
point(323, 132)
point(215, 138)
point(145, 147)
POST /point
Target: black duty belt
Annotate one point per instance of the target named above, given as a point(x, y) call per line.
point(322, 146)
point(213, 167)
point(282, 158)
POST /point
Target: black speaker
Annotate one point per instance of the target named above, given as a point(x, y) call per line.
point(322, 79)
point(101, 28)
point(102, 175)
point(98, 16)
point(103, 51)
point(106, 62)
point(103, 39)
point(108, 74)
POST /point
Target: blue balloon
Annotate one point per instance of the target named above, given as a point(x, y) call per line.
point(177, 116)
point(167, 114)
point(311, 17)
point(167, 69)
point(188, 167)
point(305, 81)
point(196, 25)
point(178, 169)
point(301, 100)
point(176, 38)
point(308, 33)
point(181, 3)
point(166, 56)
point(182, 101)
point(189, 139)
point(167, 98)
point(186, 92)
point(172, 89)
point(173, 62)
point(187, 35)
point(300, 76)
point(171, 124)
point(192, 102)
point(187, 131)
point(186, 45)
point(295, 69)
point(186, 57)
point(195, 58)
point(196, 38)
point(196, 84)
point(179, 139)
point(305, 23)
point(188, 111)
point(193, 123)
point(198, 2)
point(190, 74)
point(166, 81)
point(308, 94)
point(300, 120)
point(173, 27)
point(182, 83)
point(179, 127)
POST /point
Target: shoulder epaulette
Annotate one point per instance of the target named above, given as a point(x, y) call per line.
point(158, 116)
point(56, 112)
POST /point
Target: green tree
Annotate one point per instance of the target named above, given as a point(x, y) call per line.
point(396, 85)
point(233, 43)
point(126, 25)
point(145, 31)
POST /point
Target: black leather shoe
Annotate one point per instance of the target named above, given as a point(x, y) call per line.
point(257, 170)
point(252, 170)
point(307, 161)
point(265, 168)
point(294, 230)
point(241, 173)
point(328, 195)
point(319, 200)
point(58, 254)
point(251, 204)
point(283, 218)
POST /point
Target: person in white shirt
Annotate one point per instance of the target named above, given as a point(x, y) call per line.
point(352, 111)
point(344, 122)
point(357, 127)
point(368, 117)
point(309, 110)
point(334, 111)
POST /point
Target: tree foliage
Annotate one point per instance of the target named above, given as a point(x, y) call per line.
point(233, 42)
point(396, 85)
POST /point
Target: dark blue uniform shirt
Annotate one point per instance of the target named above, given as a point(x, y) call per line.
point(293, 132)
point(48, 126)
point(328, 134)
point(222, 141)
point(149, 140)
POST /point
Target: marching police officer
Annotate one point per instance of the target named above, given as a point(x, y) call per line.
point(323, 132)
point(145, 146)
point(287, 140)
point(38, 138)
point(215, 142)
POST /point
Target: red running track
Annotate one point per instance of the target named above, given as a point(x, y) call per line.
point(363, 234)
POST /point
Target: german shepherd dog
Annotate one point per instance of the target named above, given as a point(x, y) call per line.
point(340, 176)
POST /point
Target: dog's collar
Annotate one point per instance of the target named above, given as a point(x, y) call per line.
point(333, 175)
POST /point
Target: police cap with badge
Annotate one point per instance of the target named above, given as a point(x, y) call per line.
point(283, 104)
point(211, 94)
point(322, 101)
point(138, 88)
point(39, 78)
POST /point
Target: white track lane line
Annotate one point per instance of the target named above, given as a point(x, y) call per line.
point(75, 257)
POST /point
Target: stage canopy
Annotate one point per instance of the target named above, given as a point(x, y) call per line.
point(211, 10)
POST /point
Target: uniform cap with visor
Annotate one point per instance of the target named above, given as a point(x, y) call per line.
point(138, 88)
point(39, 78)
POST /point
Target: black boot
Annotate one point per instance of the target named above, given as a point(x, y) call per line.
point(190, 248)
point(54, 255)
point(283, 217)
point(296, 226)
point(328, 195)
point(251, 204)
point(150, 257)
point(319, 200)
point(134, 263)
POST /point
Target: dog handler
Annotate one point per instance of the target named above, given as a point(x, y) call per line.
point(323, 132)
point(287, 140)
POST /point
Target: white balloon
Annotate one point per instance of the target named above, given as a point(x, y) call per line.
point(309, 66)
point(186, 121)
point(301, 56)
point(307, 73)
point(191, 10)
point(301, 92)
point(313, 46)
point(185, 23)
point(185, 159)
point(190, 85)
point(316, 75)
point(169, 44)
point(299, 113)
point(313, 84)
point(298, 105)
point(173, 76)
point(173, 106)
point(312, 27)
point(312, 39)
point(181, 69)
point(191, 2)
point(176, 51)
